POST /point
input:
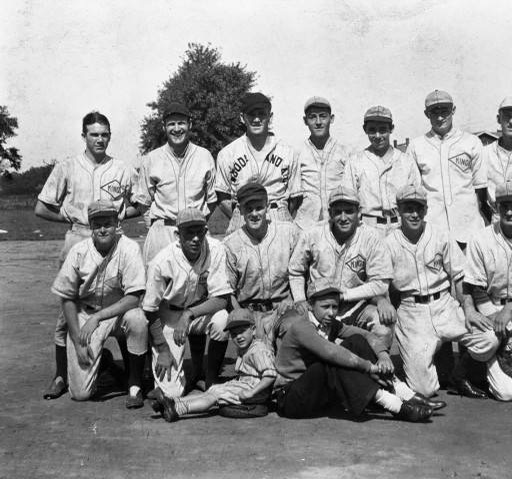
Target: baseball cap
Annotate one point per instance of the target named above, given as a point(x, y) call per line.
point(100, 208)
point(253, 100)
point(347, 195)
point(319, 101)
point(504, 191)
point(378, 113)
point(239, 317)
point(438, 97)
point(175, 108)
point(251, 191)
point(411, 193)
point(506, 103)
point(322, 287)
point(189, 217)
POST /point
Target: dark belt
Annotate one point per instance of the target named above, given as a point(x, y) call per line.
point(383, 221)
point(167, 221)
point(262, 306)
point(172, 307)
point(427, 298)
point(504, 301)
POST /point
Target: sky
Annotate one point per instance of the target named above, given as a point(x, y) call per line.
point(61, 59)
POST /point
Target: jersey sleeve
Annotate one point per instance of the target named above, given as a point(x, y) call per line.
point(350, 178)
point(217, 281)
point(454, 260)
point(263, 361)
point(479, 166)
point(133, 274)
point(209, 181)
point(67, 282)
point(157, 283)
point(54, 190)
point(474, 272)
point(223, 176)
point(231, 269)
point(144, 189)
point(414, 177)
point(298, 268)
point(294, 184)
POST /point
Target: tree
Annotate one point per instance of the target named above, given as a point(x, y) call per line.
point(9, 157)
point(212, 90)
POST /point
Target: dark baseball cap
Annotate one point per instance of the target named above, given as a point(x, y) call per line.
point(253, 100)
point(251, 191)
point(175, 108)
point(321, 287)
point(239, 317)
point(101, 208)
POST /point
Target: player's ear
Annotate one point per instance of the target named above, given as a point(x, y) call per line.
point(332, 118)
point(426, 113)
point(391, 128)
point(242, 119)
point(453, 110)
point(364, 128)
point(305, 120)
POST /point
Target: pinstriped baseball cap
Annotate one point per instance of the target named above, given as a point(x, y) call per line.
point(189, 217)
point(101, 208)
point(322, 287)
point(318, 101)
point(378, 113)
point(347, 195)
point(504, 191)
point(438, 97)
point(411, 193)
point(239, 317)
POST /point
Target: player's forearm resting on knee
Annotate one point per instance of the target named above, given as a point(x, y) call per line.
point(70, 311)
point(376, 343)
point(298, 288)
point(49, 212)
point(225, 203)
point(210, 306)
point(264, 385)
point(127, 302)
point(377, 287)
point(474, 319)
point(156, 333)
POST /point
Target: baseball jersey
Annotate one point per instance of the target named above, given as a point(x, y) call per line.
point(255, 363)
point(76, 182)
point(451, 170)
point(258, 270)
point(320, 173)
point(169, 184)
point(428, 266)
point(360, 264)
point(489, 262)
point(498, 162)
point(377, 179)
point(278, 171)
point(96, 281)
point(173, 279)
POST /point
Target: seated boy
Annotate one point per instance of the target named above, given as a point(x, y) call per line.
point(255, 375)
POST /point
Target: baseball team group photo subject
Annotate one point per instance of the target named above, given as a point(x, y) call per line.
point(233, 303)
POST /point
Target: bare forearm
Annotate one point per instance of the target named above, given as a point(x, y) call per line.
point(368, 290)
point(155, 331)
point(120, 307)
point(70, 311)
point(49, 213)
point(263, 385)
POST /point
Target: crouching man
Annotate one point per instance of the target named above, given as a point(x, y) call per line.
point(100, 284)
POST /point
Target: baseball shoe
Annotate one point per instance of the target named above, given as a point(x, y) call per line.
point(414, 412)
point(134, 402)
point(56, 389)
point(424, 401)
point(463, 387)
point(165, 406)
point(151, 394)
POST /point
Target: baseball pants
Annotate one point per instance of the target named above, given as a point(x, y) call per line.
point(281, 213)
point(159, 236)
point(211, 325)
point(132, 324)
point(382, 228)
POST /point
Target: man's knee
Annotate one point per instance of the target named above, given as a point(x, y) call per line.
point(217, 324)
point(135, 322)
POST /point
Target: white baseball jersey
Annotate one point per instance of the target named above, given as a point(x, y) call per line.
point(258, 270)
point(169, 184)
point(76, 182)
point(377, 179)
point(173, 279)
point(320, 173)
point(362, 264)
point(428, 266)
point(277, 171)
point(95, 281)
point(498, 162)
point(489, 262)
point(451, 170)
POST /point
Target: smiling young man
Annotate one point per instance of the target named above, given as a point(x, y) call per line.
point(378, 171)
point(176, 176)
point(257, 259)
point(100, 284)
point(341, 248)
point(71, 186)
point(321, 161)
point(258, 157)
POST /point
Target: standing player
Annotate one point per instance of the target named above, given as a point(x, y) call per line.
point(321, 161)
point(258, 254)
point(173, 177)
point(354, 254)
point(100, 284)
point(377, 172)
point(488, 297)
point(426, 263)
point(71, 186)
point(258, 157)
point(187, 285)
point(498, 155)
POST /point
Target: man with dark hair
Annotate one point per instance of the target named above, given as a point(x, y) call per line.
point(72, 184)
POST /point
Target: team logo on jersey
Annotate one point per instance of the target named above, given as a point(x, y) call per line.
point(461, 161)
point(358, 265)
point(274, 160)
point(436, 264)
point(238, 165)
point(114, 189)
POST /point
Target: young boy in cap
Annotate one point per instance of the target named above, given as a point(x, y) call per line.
point(173, 177)
point(321, 161)
point(258, 156)
point(377, 172)
point(254, 367)
point(100, 284)
point(322, 363)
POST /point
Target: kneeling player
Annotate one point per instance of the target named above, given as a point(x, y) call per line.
point(100, 284)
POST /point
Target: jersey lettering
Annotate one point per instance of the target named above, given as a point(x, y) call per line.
point(114, 189)
point(358, 265)
point(238, 165)
point(274, 160)
point(461, 161)
point(436, 264)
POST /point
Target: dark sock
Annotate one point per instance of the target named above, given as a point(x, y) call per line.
point(444, 362)
point(136, 369)
point(124, 353)
point(216, 353)
point(197, 343)
point(61, 362)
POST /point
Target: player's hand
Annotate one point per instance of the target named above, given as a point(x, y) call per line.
point(284, 306)
point(87, 329)
point(302, 307)
point(244, 395)
point(164, 364)
point(476, 320)
point(385, 365)
point(83, 354)
point(376, 376)
point(387, 313)
point(501, 320)
point(181, 330)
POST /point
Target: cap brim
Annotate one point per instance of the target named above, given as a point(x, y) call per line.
point(192, 223)
point(238, 323)
point(317, 105)
point(345, 200)
point(253, 107)
point(258, 196)
point(385, 119)
point(439, 103)
point(413, 200)
point(103, 214)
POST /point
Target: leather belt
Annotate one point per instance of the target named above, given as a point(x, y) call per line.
point(166, 222)
point(427, 298)
point(504, 301)
point(262, 306)
point(383, 220)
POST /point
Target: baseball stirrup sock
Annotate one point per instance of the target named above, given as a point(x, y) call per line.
point(136, 368)
point(216, 353)
point(61, 362)
point(388, 401)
